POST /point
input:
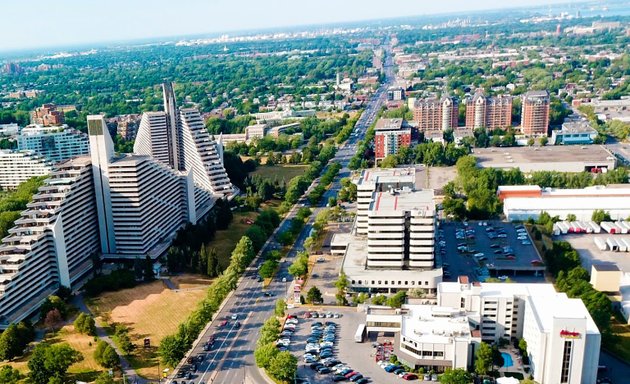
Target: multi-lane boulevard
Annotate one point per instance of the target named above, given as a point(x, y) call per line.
point(231, 359)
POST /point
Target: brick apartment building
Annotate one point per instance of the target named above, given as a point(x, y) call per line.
point(436, 115)
point(390, 135)
point(535, 114)
point(47, 115)
point(488, 112)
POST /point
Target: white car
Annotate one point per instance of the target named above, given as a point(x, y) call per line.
point(479, 254)
point(292, 321)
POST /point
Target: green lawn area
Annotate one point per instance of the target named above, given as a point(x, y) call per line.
point(285, 171)
point(225, 240)
point(620, 345)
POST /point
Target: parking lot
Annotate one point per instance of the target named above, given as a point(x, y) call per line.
point(359, 357)
point(324, 274)
point(482, 249)
point(590, 254)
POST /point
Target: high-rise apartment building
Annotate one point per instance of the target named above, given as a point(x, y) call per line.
point(179, 139)
point(434, 115)
point(535, 114)
point(141, 202)
point(488, 112)
point(389, 136)
point(51, 243)
point(55, 143)
point(17, 167)
point(47, 115)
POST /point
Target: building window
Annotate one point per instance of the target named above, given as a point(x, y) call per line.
point(406, 283)
point(352, 282)
point(399, 282)
point(426, 283)
point(566, 361)
point(360, 282)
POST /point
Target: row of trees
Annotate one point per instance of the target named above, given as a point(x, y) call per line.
point(317, 193)
point(191, 249)
point(472, 194)
point(282, 366)
point(173, 347)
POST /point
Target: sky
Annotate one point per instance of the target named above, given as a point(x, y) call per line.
point(29, 24)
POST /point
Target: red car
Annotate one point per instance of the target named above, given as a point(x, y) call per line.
point(350, 374)
point(291, 317)
point(410, 376)
point(224, 323)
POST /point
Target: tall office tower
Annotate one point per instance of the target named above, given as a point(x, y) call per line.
point(51, 243)
point(178, 138)
point(535, 114)
point(488, 112)
point(379, 180)
point(435, 115)
point(56, 143)
point(401, 230)
point(141, 201)
point(17, 167)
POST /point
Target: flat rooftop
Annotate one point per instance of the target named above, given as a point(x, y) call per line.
point(355, 265)
point(498, 157)
point(434, 324)
point(404, 200)
point(389, 124)
point(408, 175)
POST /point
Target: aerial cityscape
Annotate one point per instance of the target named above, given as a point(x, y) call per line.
point(314, 193)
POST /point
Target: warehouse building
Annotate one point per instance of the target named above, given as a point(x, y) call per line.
point(590, 158)
point(529, 201)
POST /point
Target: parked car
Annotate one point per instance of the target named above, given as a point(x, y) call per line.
point(410, 376)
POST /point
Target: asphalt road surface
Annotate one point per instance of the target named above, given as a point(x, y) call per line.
point(231, 360)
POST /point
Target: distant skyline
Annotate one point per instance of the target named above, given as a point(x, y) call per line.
point(38, 24)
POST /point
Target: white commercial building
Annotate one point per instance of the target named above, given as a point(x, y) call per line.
point(17, 167)
point(563, 342)
point(7, 130)
point(522, 202)
point(55, 143)
point(52, 242)
point(393, 243)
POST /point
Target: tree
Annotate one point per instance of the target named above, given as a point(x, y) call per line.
point(104, 378)
point(85, 324)
point(122, 339)
point(483, 361)
point(51, 361)
point(599, 216)
point(171, 349)
point(269, 331)
point(264, 354)
point(543, 141)
point(379, 300)
point(10, 343)
point(281, 306)
point(53, 319)
point(283, 367)
point(268, 268)
point(530, 141)
point(522, 345)
point(54, 302)
point(455, 376)
point(314, 296)
point(9, 375)
point(110, 358)
point(571, 217)
point(397, 300)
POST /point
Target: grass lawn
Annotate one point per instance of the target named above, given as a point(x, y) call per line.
point(225, 240)
point(150, 311)
point(85, 370)
point(286, 171)
point(621, 346)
